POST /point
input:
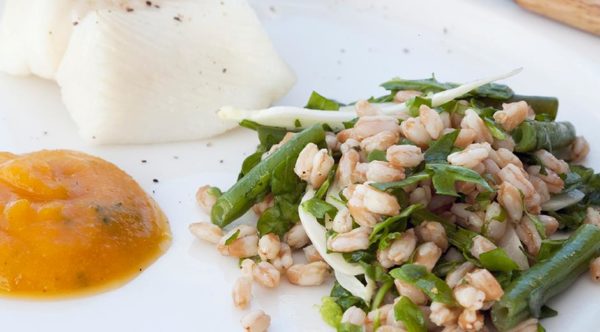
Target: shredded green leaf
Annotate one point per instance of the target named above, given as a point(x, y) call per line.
point(434, 287)
point(410, 314)
point(409, 181)
point(331, 312)
point(319, 208)
point(497, 260)
point(497, 133)
point(445, 176)
point(415, 103)
point(318, 102)
point(232, 238)
point(399, 222)
point(439, 150)
point(345, 299)
point(376, 155)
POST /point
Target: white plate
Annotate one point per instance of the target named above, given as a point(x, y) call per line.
point(343, 50)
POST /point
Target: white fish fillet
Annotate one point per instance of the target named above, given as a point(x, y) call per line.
point(136, 71)
point(35, 33)
point(33, 36)
point(160, 74)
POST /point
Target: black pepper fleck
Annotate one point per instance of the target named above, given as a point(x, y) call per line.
point(224, 70)
point(144, 161)
point(129, 9)
point(75, 23)
point(177, 18)
point(148, 3)
point(175, 157)
point(405, 50)
point(221, 161)
point(155, 180)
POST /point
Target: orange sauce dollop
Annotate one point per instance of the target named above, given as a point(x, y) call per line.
point(71, 223)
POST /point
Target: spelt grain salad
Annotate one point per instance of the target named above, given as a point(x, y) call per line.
point(436, 207)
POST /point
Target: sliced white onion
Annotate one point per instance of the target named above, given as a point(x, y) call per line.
point(563, 200)
point(514, 249)
point(287, 116)
point(317, 235)
point(355, 286)
point(443, 97)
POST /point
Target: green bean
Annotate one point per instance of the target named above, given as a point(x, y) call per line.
point(526, 295)
point(249, 189)
point(541, 105)
point(535, 135)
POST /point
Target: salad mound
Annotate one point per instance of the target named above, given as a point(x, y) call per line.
point(435, 207)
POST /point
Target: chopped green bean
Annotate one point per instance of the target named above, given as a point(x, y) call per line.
point(254, 185)
point(526, 295)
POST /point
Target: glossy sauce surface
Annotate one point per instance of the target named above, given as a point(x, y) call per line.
point(71, 224)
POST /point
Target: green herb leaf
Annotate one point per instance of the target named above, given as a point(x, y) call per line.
point(376, 155)
point(439, 150)
point(350, 124)
point(548, 248)
point(360, 256)
point(281, 216)
point(445, 176)
point(444, 267)
point(381, 292)
point(331, 312)
point(319, 208)
point(376, 272)
point(345, 299)
point(497, 260)
point(251, 161)
point(268, 136)
point(492, 90)
point(539, 226)
point(382, 228)
point(383, 99)
point(434, 287)
point(455, 106)
point(386, 240)
point(324, 188)
point(459, 237)
point(415, 103)
point(423, 85)
point(318, 102)
point(232, 238)
point(284, 180)
point(494, 129)
point(410, 314)
point(413, 179)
